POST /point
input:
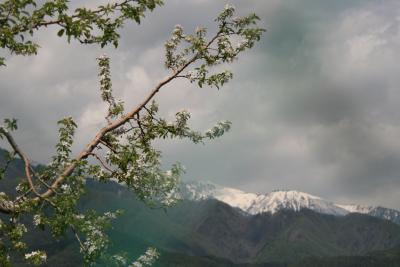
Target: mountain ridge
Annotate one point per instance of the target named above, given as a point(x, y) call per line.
point(274, 201)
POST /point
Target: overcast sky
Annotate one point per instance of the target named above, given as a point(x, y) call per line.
point(315, 106)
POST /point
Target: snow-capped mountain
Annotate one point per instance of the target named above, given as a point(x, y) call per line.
point(277, 200)
point(380, 212)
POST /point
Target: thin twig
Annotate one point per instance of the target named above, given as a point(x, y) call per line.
point(108, 146)
point(140, 125)
point(77, 237)
point(8, 162)
point(101, 161)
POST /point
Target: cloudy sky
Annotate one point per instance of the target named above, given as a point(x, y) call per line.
point(314, 107)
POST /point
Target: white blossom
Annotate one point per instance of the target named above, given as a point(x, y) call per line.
point(228, 6)
point(36, 256)
point(19, 187)
point(146, 259)
point(110, 215)
point(37, 219)
point(66, 187)
point(120, 259)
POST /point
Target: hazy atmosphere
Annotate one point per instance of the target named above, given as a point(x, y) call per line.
point(315, 106)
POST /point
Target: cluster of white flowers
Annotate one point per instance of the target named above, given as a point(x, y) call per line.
point(65, 142)
point(37, 219)
point(37, 257)
point(20, 229)
point(66, 188)
point(192, 75)
point(141, 163)
point(170, 45)
point(110, 215)
point(185, 113)
point(32, 254)
point(19, 188)
point(200, 30)
point(130, 171)
point(89, 247)
point(229, 6)
point(242, 44)
point(95, 240)
point(120, 259)
point(103, 57)
point(177, 34)
point(132, 175)
point(79, 216)
point(171, 198)
point(209, 131)
point(147, 259)
point(178, 30)
point(226, 49)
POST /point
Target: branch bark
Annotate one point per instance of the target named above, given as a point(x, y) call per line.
point(25, 159)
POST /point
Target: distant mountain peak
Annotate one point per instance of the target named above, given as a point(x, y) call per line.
point(356, 208)
point(277, 200)
point(292, 200)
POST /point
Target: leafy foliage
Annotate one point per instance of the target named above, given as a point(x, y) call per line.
point(20, 19)
point(123, 149)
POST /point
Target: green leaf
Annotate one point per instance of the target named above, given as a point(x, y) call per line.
point(60, 32)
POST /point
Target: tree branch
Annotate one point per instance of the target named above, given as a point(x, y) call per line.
point(108, 146)
point(101, 161)
point(114, 125)
point(121, 121)
point(88, 150)
point(19, 152)
point(140, 125)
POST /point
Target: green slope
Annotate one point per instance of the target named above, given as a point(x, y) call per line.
point(387, 258)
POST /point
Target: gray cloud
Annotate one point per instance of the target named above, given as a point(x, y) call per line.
point(314, 107)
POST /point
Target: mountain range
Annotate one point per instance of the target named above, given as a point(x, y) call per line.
point(278, 200)
point(210, 230)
